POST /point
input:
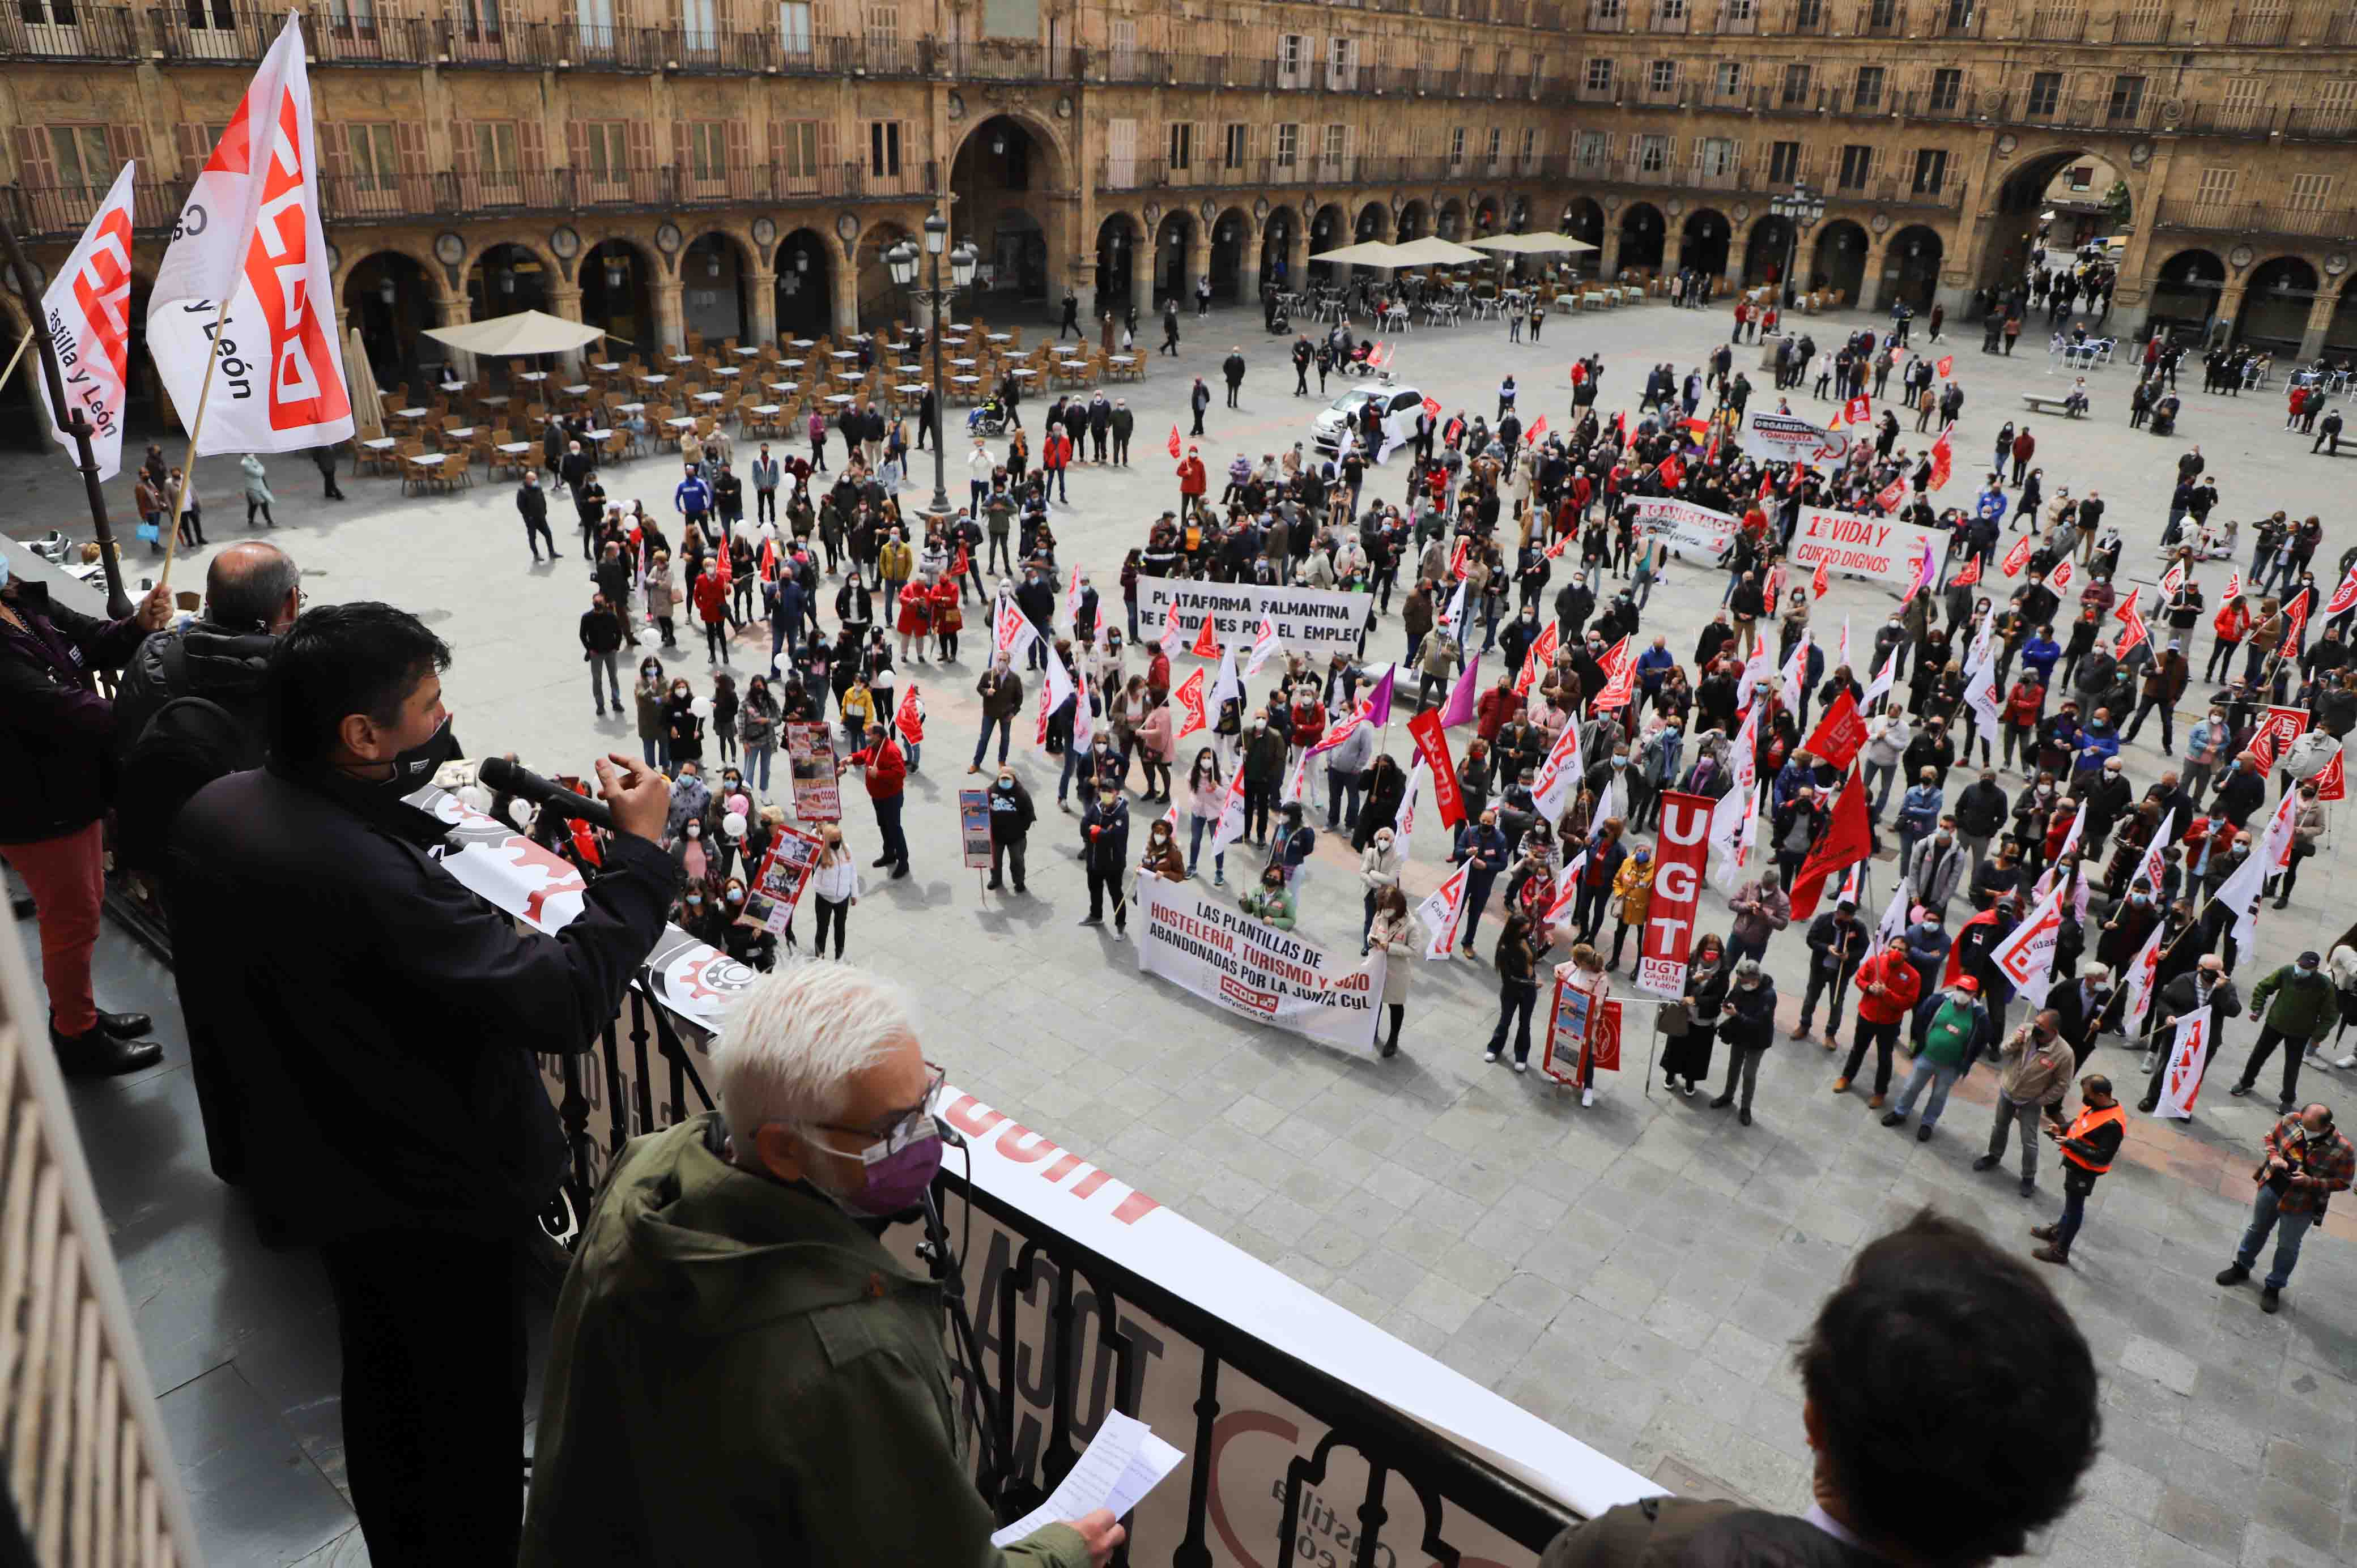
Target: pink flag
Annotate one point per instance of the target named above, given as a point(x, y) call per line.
point(1379, 701)
point(1458, 709)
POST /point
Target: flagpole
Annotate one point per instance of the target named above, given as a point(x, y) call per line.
point(22, 344)
point(195, 425)
point(77, 424)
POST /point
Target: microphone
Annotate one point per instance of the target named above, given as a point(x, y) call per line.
point(951, 1136)
point(500, 773)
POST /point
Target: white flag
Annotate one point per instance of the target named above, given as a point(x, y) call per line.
point(1442, 912)
point(1880, 684)
point(2148, 869)
point(2026, 957)
point(1756, 669)
point(1453, 620)
point(2187, 1052)
point(1734, 849)
point(1070, 616)
point(249, 246)
point(86, 312)
point(1566, 893)
point(1727, 813)
point(1264, 644)
point(1794, 675)
point(1226, 685)
point(1981, 693)
point(2240, 892)
point(1296, 783)
point(1230, 825)
point(2144, 970)
point(2070, 841)
point(1406, 821)
point(1893, 923)
point(1084, 729)
point(1558, 774)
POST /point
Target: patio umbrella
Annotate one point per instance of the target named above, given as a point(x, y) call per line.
point(1432, 250)
point(525, 332)
point(368, 399)
point(1534, 245)
point(1366, 253)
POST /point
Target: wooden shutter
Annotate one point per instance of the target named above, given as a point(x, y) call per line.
point(909, 174)
point(35, 166)
point(576, 147)
point(409, 141)
point(124, 143)
point(644, 178)
point(531, 146)
point(462, 165)
point(336, 195)
point(194, 147)
point(679, 145)
point(739, 157)
point(830, 166)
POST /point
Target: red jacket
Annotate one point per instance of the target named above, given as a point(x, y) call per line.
point(2233, 622)
point(1900, 988)
point(2025, 705)
point(1056, 452)
point(888, 766)
point(1309, 723)
point(2023, 446)
point(1497, 705)
point(1191, 476)
point(711, 593)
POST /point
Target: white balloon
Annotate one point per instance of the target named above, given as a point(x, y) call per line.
point(733, 825)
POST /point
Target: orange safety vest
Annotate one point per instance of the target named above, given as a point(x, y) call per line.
point(2087, 1123)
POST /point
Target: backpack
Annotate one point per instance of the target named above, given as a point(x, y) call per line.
point(191, 742)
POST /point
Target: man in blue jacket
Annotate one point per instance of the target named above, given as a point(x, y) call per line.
point(1480, 848)
point(692, 499)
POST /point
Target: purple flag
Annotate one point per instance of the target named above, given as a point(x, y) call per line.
point(1379, 701)
point(1458, 709)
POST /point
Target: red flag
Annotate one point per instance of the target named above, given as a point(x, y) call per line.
point(1621, 677)
point(1890, 494)
point(1578, 372)
point(1818, 585)
point(2173, 579)
point(2234, 586)
point(1947, 364)
point(1766, 485)
point(1540, 655)
point(1848, 839)
point(2332, 784)
point(1537, 429)
point(1839, 735)
point(1457, 559)
point(2125, 612)
point(1433, 747)
point(2018, 557)
point(1174, 441)
point(1207, 642)
point(1680, 857)
point(1188, 695)
point(2294, 621)
point(1968, 574)
point(2344, 596)
point(2060, 578)
point(2135, 635)
point(910, 718)
point(1431, 409)
point(1858, 411)
point(1672, 471)
point(1943, 459)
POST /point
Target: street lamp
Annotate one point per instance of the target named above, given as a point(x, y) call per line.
point(902, 261)
point(1800, 210)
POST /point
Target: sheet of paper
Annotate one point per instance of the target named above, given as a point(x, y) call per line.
point(1125, 1462)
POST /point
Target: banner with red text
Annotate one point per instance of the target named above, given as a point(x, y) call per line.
point(1214, 950)
point(1860, 545)
point(1681, 857)
point(86, 315)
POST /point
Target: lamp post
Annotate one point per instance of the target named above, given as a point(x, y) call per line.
point(901, 261)
point(1800, 210)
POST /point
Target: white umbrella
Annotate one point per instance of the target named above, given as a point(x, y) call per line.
point(1432, 250)
point(1366, 253)
point(1534, 245)
point(525, 332)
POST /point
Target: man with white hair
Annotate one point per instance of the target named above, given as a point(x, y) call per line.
point(739, 1371)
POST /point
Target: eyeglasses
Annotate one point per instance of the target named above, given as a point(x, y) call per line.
point(899, 1128)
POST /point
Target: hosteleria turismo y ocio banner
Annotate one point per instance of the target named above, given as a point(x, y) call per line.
point(1256, 970)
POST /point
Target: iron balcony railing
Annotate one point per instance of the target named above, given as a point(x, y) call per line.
point(2264, 217)
point(660, 187)
point(63, 211)
point(70, 32)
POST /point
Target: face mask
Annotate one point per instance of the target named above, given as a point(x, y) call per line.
point(418, 764)
point(894, 1173)
point(695, 901)
point(1619, 761)
point(735, 896)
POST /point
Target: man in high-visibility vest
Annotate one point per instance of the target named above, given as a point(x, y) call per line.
point(2089, 1145)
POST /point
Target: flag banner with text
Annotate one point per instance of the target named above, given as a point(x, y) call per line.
point(1860, 545)
point(86, 314)
point(1214, 950)
point(1775, 437)
point(1682, 856)
point(1314, 620)
point(1685, 525)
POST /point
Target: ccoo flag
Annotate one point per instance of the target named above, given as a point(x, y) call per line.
point(248, 247)
point(86, 312)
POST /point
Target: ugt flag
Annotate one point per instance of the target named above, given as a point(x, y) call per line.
point(86, 312)
point(246, 278)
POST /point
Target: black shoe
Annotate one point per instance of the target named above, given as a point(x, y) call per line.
point(125, 1026)
point(1722, 1102)
point(2029, 1185)
point(993, 886)
point(1986, 1162)
point(2239, 1091)
point(1892, 1118)
point(1923, 1134)
point(2232, 1275)
point(1744, 1117)
point(1021, 891)
point(2270, 1299)
point(98, 1054)
point(1091, 919)
point(899, 871)
point(23, 908)
point(881, 860)
point(2146, 1103)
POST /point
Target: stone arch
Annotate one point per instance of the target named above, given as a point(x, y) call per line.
point(1232, 239)
point(393, 329)
point(422, 254)
point(1174, 241)
point(506, 277)
point(1374, 223)
point(1449, 222)
point(2276, 303)
point(2185, 291)
point(1583, 218)
point(1487, 212)
point(1042, 130)
point(1278, 233)
point(1330, 228)
point(1768, 248)
point(1415, 221)
point(715, 284)
point(536, 244)
point(2340, 332)
point(1705, 242)
point(1120, 232)
point(616, 277)
point(1838, 260)
point(1910, 267)
point(2006, 238)
point(878, 299)
point(1643, 233)
point(806, 263)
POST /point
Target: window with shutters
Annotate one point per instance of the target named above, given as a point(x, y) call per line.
point(479, 21)
point(884, 24)
point(80, 156)
point(1882, 15)
point(1287, 152)
point(1457, 147)
point(1121, 154)
point(707, 151)
point(496, 163)
point(2045, 92)
point(1796, 88)
point(1661, 76)
point(1866, 89)
point(1337, 153)
point(1594, 149)
point(699, 25)
point(1783, 162)
point(1930, 170)
point(884, 148)
point(1668, 10)
point(794, 28)
point(796, 142)
point(372, 154)
point(1342, 64)
point(1599, 74)
point(1123, 42)
point(2147, 22)
point(2336, 104)
point(603, 158)
point(1653, 154)
point(1238, 143)
point(2127, 98)
point(1497, 148)
point(346, 18)
point(1729, 81)
point(1716, 157)
point(1182, 146)
point(2217, 187)
point(2311, 192)
point(1857, 163)
point(2241, 106)
point(1529, 155)
point(1741, 10)
point(1947, 89)
point(1292, 54)
point(1808, 15)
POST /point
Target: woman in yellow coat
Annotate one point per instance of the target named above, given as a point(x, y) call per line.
point(1633, 888)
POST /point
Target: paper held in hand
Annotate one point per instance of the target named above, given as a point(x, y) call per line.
point(1125, 1462)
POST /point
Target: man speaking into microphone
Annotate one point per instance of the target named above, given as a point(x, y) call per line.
point(380, 1023)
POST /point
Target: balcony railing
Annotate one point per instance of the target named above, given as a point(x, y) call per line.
point(2056, 24)
point(2259, 28)
point(2254, 218)
point(91, 33)
point(359, 200)
point(61, 211)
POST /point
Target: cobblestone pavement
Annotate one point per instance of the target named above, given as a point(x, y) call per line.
point(1634, 1272)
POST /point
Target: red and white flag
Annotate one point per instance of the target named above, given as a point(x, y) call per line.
point(1947, 363)
point(1620, 677)
point(1207, 639)
point(1265, 643)
point(87, 311)
point(2144, 969)
point(1070, 616)
point(1968, 574)
point(2134, 634)
point(1173, 641)
point(1672, 471)
point(1819, 584)
point(2234, 586)
point(909, 718)
point(2332, 783)
point(2174, 579)
point(1084, 724)
point(1944, 459)
point(247, 278)
point(1552, 786)
point(2060, 578)
point(1011, 630)
point(2015, 558)
point(1174, 441)
point(1230, 825)
point(1188, 695)
point(2026, 957)
point(1431, 409)
point(1540, 654)
point(1442, 912)
point(1858, 411)
point(2181, 1082)
point(2344, 596)
point(1890, 494)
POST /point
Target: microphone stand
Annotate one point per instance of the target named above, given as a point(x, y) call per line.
point(991, 1474)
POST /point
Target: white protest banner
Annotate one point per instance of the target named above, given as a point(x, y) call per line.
point(1776, 437)
point(245, 290)
point(1860, 545)
point(2144, 970)
point(1315, 620)
point(1220, 953)
point(1444, 911)
point(1682, 525)
point(2148, 868)
point(2026, 957)
point(1559, 774)
point(86, 312)
point(2189, 1054)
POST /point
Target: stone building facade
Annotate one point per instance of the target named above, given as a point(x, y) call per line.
point(737, 168)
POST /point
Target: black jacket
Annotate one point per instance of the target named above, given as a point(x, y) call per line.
point(531, 502)
point(194, 747)
point(57, 733)
point(381, 1022)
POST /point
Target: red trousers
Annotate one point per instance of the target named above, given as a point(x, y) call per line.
point(66, 877)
